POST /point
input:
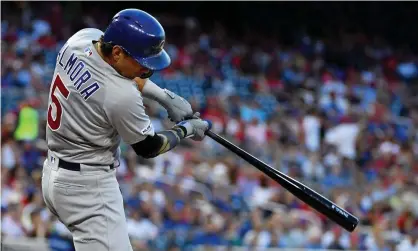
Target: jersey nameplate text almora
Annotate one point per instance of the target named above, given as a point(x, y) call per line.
point(78, 73)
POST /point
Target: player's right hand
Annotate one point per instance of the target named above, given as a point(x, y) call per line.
point(195, 128)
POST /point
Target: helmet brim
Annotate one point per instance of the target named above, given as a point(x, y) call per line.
point(157, 62)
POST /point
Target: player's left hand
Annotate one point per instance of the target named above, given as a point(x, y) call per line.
point(177, 107)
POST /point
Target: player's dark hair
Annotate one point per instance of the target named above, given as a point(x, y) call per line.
point(105, 47)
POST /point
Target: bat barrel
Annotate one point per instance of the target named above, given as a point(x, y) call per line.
point(304, 193)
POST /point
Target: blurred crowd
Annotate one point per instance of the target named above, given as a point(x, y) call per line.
point(339, 114)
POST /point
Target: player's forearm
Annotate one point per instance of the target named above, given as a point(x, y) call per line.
point(171, 138)
point(160, 143)
point(164, 141)
point(149, 89)
point(194, 128)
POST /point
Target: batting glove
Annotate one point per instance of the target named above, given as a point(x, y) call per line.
point(177, 107)
point(195, 128)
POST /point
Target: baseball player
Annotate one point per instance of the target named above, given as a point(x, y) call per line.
point(95, 101)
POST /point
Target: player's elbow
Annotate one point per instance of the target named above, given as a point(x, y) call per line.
point(149, 147)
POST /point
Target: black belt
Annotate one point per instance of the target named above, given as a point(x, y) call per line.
point(76, 166)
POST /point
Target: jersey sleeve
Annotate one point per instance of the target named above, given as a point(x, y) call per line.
point(126, 113)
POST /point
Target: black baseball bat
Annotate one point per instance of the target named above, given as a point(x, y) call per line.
point(304, 193)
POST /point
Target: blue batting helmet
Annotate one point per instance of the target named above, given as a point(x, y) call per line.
point(141, 36)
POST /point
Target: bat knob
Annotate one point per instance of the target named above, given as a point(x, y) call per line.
point(210, 124)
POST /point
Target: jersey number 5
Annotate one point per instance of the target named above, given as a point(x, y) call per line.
point(55, 123)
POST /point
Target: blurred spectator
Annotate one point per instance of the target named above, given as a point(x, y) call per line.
point(409, 242)
point(141, 230)
point(11, 224)
point(311, 131)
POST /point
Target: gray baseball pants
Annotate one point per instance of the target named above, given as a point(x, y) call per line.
point(89, 203)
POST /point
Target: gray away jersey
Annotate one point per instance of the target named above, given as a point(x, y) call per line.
point(91, 106)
